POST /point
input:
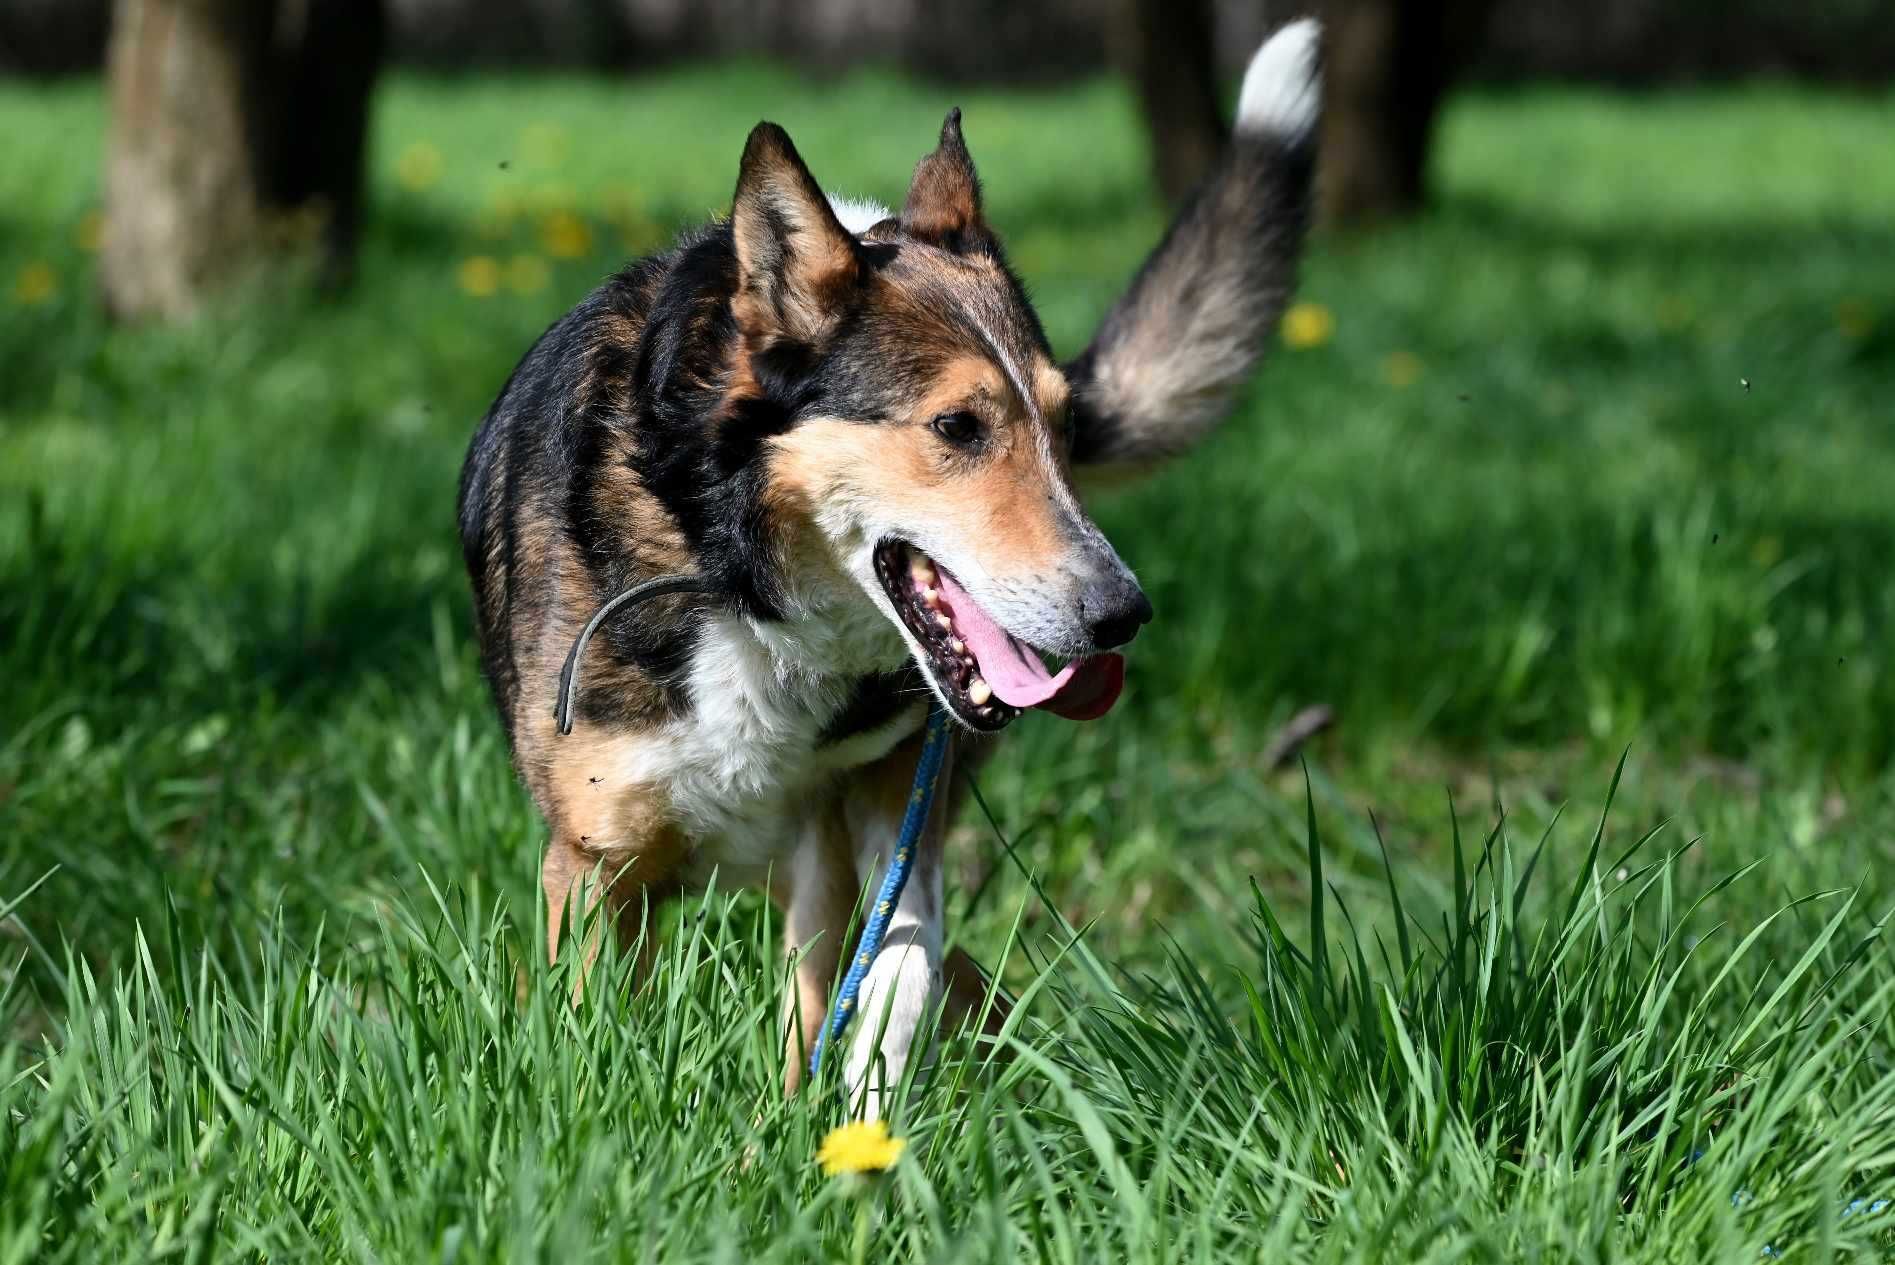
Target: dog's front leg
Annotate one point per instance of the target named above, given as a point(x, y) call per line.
point(816, 891)
point(612, 844)
point(904, 980)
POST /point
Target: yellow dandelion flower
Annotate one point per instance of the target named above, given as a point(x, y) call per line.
point(479, 275)
point(89, 232)
point(1402, 368)
point(1308, 325)
point(527, 274)
point(1854, 319)
point(565, 235)
point(419, 166)
point(36, 283)
point(860, 1147)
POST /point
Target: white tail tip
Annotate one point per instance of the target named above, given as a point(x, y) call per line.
point(1283, 87)
point(858, 215)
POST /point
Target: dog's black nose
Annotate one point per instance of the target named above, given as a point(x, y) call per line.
point(1114, 613)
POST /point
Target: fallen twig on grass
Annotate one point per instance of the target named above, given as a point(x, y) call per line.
point(1301, 727)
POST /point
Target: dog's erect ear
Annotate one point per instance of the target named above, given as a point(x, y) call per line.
point(795, 261)
point(943, 206)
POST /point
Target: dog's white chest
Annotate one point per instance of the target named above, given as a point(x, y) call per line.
point(742, 768)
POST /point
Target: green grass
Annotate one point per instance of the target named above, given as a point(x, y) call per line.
point(266, 881)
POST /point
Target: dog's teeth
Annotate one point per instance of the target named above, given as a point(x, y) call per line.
point(957, 645)
point(942, 619)
point(931, 597)
point(922, 572)
point(979, 692)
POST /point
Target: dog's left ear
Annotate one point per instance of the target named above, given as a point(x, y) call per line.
point(795, 261)
point(943, 206)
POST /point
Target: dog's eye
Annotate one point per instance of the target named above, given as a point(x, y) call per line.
point(959, 429)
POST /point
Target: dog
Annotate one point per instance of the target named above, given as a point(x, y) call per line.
point(848, 423)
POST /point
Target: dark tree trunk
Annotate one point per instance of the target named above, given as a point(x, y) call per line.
point(1166, 48)
point(313, 101)
point(1387, 67)
point(226, 114)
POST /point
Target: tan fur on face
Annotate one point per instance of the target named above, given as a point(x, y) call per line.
point(1054, 395)
point(1003, 504)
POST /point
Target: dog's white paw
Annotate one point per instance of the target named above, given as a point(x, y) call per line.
point(902, 985)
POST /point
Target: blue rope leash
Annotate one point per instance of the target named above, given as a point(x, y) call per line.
point(920, 800)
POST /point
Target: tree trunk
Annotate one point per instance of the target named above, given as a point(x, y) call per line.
point(1166, 48)
point(226, 116)
point(1387, 67)
point(181, 185)
point(312, 107)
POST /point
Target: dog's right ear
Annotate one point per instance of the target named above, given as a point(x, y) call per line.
point(795, 261)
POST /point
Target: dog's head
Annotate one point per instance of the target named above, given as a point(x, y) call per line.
point(924, 451)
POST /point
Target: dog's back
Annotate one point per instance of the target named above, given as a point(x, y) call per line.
point(552, 520)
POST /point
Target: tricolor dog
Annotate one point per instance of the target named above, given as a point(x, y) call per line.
point(849, 423)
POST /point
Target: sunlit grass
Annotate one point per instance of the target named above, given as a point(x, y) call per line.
point(1593, 457)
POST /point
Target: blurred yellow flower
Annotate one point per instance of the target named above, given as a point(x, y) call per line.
point(502, 212)
point(860, 1147)
point(619, 202)
point(544, 144)
point(479, 275)
point(307, 222)
point(526, 274)
point(1308, 325)
point(565, 235)
point(1854, 318)
point(419, 166)
point(1674, 312)
point(89, 232)
point(1402, 368)
point(549, 199)
point(1766, 551)
point(36, 283)
point(641, 233)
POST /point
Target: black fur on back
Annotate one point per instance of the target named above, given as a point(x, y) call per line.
point(635, 380)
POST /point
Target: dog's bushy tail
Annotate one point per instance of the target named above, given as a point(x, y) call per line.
point(1176, 346)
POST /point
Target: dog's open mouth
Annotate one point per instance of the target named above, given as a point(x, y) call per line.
point(988, 675)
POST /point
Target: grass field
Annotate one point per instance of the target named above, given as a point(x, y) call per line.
point(1596, 459)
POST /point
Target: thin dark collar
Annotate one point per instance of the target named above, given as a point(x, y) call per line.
point(569, 674)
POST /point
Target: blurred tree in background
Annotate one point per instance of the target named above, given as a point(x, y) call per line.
point(237, 120)
point(1388, 66)
point(232, 122)
point(1624, 41)
point(1168, 50)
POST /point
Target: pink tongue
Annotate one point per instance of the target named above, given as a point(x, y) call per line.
point(1084, 689)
